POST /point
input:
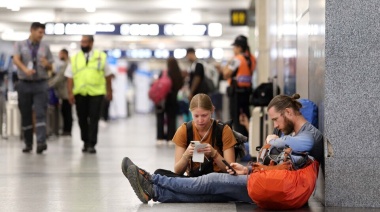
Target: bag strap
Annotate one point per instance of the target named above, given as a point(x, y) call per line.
point(189, 132)
point(218, 132)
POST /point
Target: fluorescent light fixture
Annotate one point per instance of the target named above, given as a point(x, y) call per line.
point(215, 30)
point(161, 53)
point(116, 53)
point(11, 35)
point(217, 53)
point(179, 53)
point(140, 29)
point(202, 53)
point(73, 45)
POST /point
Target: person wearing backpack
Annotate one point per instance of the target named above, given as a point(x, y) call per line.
point(239, 72)
point(196, 74)
point(205, 130)
point(170, 105)
point(300, 135)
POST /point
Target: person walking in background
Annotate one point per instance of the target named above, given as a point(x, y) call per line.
point(105, 107)
point(88, 80)
point(59, 83)
point(239, 72)
point(170, 106)
point(197, 74)
point(33, 59)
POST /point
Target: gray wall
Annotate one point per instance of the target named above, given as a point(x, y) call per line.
point(352, 102)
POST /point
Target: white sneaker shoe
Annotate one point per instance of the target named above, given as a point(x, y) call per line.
point(171, 143)
point(160, 142)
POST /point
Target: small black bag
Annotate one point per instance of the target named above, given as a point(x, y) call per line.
point(263, 94)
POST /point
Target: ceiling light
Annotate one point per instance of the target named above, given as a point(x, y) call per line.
point(215, 30)
point(161, 45)
point(73, 45)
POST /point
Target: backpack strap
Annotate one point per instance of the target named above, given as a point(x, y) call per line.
point(189, 132)
point(218, 135)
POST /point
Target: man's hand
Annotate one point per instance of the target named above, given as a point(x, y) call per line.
point(29, 72)
point(45, 63)
point(271, 137)
point(71, 98)
point(109, 96)
point(240, 169)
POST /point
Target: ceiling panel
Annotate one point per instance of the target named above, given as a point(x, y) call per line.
point(128, 11)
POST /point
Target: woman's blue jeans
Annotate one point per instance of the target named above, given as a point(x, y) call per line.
point(214, 187)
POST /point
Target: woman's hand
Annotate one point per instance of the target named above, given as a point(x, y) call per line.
point(189, 151)
point(208, 150)
point(240, 169)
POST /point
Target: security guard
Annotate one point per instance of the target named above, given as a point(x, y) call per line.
point(239, 74)
point(33, 59)
point(88, 80)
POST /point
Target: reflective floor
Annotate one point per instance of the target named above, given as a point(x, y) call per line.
point(65, 179)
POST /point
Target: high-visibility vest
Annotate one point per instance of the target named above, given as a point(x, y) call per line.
point(244, 73)
point(89, 78)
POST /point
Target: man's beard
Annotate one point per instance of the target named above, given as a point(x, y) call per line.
point(289, 126)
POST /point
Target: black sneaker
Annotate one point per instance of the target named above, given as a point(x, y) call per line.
point(141, 183)
point(41, 148)
point(27, 149)
point(125, 163)
point(91, 150)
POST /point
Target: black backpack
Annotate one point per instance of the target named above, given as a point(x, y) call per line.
point(263, 94)
point(216, 137)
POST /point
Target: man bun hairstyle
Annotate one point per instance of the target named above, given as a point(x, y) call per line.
point(281, 102)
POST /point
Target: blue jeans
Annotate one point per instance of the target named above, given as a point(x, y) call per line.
point(214, 187)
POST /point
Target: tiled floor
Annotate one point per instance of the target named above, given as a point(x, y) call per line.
point(65, 179)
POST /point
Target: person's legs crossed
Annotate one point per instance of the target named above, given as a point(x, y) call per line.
point(232, 188)
point(168, 196)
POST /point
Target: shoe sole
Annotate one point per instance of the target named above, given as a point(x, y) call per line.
point(133, 177)
point(125, 164)
point(39, 151)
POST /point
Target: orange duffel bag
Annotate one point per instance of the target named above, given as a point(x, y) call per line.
point(271, 188)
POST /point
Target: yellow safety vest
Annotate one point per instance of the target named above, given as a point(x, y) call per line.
point(89, 79)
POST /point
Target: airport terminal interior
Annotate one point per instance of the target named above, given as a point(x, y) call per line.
point(293, 54)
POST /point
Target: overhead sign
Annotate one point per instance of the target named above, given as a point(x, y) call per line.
point(213, 29)
point(239, 17)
